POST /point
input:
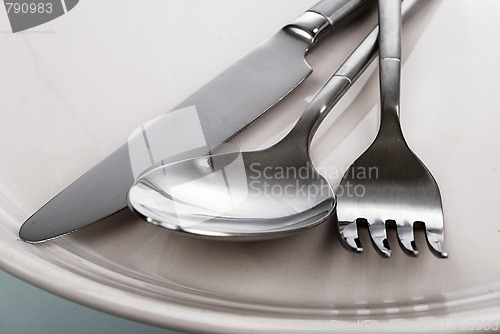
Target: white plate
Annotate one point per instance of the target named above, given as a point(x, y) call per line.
point(73, 89)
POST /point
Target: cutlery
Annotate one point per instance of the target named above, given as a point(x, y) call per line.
point(223, 107)
point(396, 189)
point(257, 194)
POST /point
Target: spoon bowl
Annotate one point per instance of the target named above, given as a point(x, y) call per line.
point(241, 195)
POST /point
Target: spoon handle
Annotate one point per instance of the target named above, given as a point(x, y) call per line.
point(341, 81)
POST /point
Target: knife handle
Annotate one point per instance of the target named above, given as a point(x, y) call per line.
point(339, 11)
point(323, 18)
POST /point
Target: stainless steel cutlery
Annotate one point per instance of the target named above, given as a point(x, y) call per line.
point(224, 106)
point(247, 195)
point(178, 184)
point(397, 189)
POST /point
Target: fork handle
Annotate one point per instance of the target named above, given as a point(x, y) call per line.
point(389, 17)
point(303, 131)
point(390, 63)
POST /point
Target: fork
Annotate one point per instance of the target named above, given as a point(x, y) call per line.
point(388, 185)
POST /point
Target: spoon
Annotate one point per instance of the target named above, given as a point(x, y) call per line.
point(251, 195)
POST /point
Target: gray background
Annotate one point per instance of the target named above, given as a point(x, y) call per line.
point(26, 309)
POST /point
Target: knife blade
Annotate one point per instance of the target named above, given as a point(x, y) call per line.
point(224, 106)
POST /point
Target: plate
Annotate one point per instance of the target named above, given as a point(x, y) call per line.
point(76, 87)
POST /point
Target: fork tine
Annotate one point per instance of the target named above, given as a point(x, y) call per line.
point(349, 236)
point(378, 235)
point(406, 237)
point(435, 240)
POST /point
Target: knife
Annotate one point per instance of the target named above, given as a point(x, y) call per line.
point(223, 107)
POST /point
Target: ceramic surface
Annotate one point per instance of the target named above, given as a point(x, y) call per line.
point(73, 89)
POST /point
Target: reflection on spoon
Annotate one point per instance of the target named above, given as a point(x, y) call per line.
point(251, 195)
point(233, 195)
